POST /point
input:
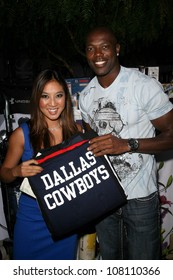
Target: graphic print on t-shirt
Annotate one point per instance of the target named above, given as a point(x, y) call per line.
point(106, 120)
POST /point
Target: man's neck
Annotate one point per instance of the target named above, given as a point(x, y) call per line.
point(107, 80)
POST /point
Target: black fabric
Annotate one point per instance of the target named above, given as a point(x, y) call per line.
point(75, 188)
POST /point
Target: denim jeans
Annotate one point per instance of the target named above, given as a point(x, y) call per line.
point(132, 232)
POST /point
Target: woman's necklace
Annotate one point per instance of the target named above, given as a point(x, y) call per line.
point(55, 127)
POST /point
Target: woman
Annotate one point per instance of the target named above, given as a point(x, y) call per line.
point(51, 122)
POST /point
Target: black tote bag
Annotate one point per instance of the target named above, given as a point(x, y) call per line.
point(75, 188)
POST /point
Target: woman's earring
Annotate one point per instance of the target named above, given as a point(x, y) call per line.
point(117, 54)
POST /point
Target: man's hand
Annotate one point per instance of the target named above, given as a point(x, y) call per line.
point(108, 144)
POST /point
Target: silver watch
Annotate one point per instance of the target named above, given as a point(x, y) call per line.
point(133, 144)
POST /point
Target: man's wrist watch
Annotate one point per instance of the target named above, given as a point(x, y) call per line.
point(133, 144)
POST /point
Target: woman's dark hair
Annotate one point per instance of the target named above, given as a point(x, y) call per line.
point(39, 133)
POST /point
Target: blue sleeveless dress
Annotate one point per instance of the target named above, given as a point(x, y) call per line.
point(32, 240)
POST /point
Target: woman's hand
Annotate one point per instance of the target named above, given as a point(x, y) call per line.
point(26, 169)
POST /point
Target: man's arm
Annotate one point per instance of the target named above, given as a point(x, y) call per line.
point(110, 144)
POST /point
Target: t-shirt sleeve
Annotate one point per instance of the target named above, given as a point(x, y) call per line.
point(154, 100)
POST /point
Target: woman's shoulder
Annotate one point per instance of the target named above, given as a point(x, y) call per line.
point(16, 136)
point(17, 131)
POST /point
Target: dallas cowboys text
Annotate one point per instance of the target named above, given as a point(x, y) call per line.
point(77, 180)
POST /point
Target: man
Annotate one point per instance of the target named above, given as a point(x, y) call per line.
point(124, 107)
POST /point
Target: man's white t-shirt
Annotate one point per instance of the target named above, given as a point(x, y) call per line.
point(126, 109)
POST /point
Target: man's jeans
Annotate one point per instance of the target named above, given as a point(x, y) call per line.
point(133, 232)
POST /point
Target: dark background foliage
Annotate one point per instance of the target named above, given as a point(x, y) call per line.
point(51, 33)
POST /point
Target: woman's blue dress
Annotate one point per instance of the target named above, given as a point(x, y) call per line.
point(32, 239)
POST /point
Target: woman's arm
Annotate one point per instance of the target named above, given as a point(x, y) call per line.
point(11, 167)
